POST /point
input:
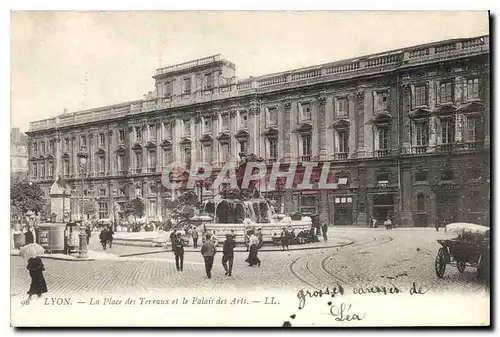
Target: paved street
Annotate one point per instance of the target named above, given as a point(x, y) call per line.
point(398, 257)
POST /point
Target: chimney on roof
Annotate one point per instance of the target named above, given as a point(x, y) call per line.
point(65, 111)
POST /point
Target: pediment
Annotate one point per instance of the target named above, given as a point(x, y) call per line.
point(166, 144)
point(242, 134)
point(419, 113)
point(223, 136)
point(445, 109)
point(474, 106)
point(381, 118)
point(151, 145)
point(270, 132)
point(341, 124)
point(185, 141)
point(304, 128)
point(206, 138)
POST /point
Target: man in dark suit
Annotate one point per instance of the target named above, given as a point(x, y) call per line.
point(228, 254)
point(208, 251)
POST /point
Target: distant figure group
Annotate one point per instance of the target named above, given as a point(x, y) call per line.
point(106, 237)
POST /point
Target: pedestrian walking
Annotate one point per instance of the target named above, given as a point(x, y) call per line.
point(110, 234)
point(173, 238)
point(28, 236)
point(228, 254)
point(253, 258)
point(194, 235)
point(215, 239)
point(260, 236)
point(89, 233)
point(38, 285)
point(103, 237)
point(374, 223)
point(208, 251)
point(285, 239)
point(179, 252)
point(324, 231)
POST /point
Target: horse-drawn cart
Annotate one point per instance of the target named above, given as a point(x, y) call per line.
point(471, 248)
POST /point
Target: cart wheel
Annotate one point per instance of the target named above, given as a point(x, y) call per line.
point(461, 266)
point(440, 263)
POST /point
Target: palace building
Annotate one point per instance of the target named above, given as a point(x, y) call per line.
point(405, 132)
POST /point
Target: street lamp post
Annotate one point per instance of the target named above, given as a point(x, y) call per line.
point(114, 210)
point(82, 235)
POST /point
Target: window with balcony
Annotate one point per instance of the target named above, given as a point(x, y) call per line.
point(167, 130)
point(243, 119)
point(207, 125)
point(207, 153)
point(472, 88)
point(65, 168)
point(66, 144)
point(34, 170)
point(102, 140)
point(419, 98)
point(121, 164)
point(383, 178)
point(343, 139)
point(272, 154)
point(138, 134)
point(383, 138)
point(121, 136)
point(225, 152)
point(448, 131)
point(187, 128)
point(243, 146)
point(186, 156)
point(151, 133)
point(50, 169)
point(208, 80)
point(472, 129)
point(446, 92)
point(42, 147)
point(272, 116)
point(42, 170)
point(152, 206)
point(381, 101)
point(52, 146)
point(447, 175)
point(342, 107)
point(305, 111)
point(306, 149)
point(187, 86)
point(225, 122)
point(103, 210)
point(420, 176)
point(101, 165)
point(138, 162)
point(35, 149)
point(422, 136)
point(169, 89)
point(83, 142)
point(151, 162)
point(420, 203)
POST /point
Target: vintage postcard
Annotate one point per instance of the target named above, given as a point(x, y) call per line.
point(249, 169)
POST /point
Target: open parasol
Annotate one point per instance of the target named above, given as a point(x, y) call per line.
point(31, 250)
point(464, 227)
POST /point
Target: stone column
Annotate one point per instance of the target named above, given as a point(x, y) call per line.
point(432, 134)
point(363, 204)
point(352, 116)
point(315, 145)
point(459, 128)
point(323, 206)
point(194, 141)
point(361, 120)
point(159, 150)
point(322, 126)
point(110, 155)
point(91, 165)
point(176, 139)
point(294, 137)
point(57, 157)
point(287, 134)
point(74, 159)
point(406, 191)
point(233, 143)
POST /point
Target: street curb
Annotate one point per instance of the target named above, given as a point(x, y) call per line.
point(243, 250)
point(47, 256)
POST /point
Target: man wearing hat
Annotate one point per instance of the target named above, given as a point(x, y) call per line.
point(228, 254)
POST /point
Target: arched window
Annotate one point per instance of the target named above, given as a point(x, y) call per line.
point(420, 203)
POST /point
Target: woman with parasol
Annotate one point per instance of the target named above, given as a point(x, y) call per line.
point(32, 253)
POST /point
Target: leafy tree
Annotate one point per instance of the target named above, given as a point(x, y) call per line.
point(135, 207)
point(26, 197)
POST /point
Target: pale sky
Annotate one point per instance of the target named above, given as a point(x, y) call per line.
point(52, 51)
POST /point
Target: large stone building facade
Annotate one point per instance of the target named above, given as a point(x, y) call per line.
point(18, 154)
point(406, 135)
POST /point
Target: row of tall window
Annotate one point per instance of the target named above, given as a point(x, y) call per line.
point(447, 130)
point(446, 92)
point(204, 81)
